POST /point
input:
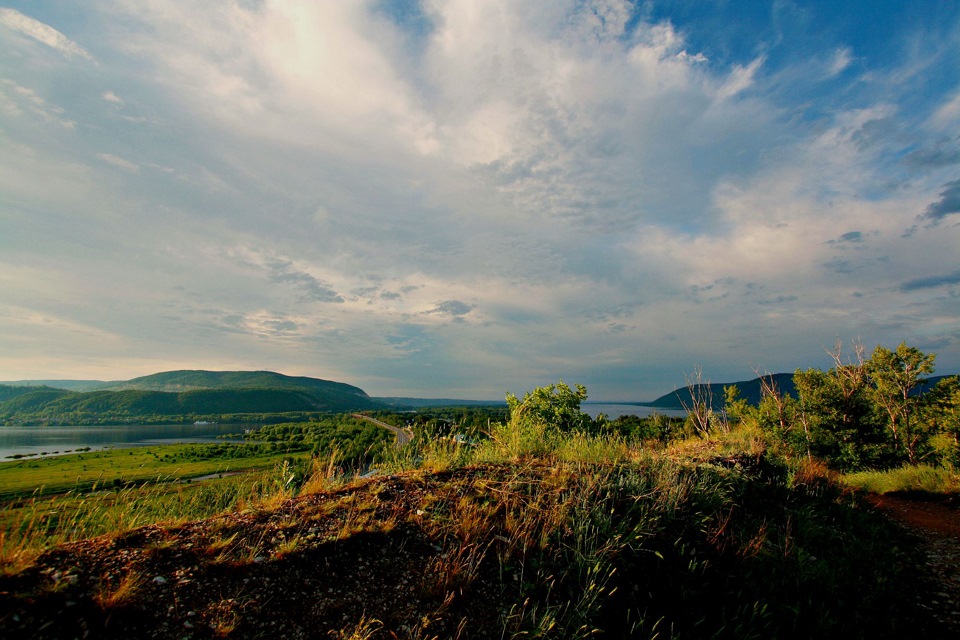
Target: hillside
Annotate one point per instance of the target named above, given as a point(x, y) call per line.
point(721, 547)
point(182, 393)
point(11, 392)
point(194, 380)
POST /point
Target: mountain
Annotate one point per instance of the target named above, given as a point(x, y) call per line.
point(182, 393)
point(195, 380)
point(69, 385)
point(8, 393)
point(750, 390)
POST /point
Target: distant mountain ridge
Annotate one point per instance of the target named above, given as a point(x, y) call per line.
point(69, 385)
point(750, 390)
point(180, 393)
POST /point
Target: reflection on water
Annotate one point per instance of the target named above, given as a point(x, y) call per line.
point(24, 441)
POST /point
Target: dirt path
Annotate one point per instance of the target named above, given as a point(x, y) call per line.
point(937, 523)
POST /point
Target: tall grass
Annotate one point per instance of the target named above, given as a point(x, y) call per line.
point(28, 527)
point(925, 478)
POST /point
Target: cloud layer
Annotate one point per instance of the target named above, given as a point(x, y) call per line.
point(466, 198)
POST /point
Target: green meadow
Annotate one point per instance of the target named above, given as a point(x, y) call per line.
point(124, 467)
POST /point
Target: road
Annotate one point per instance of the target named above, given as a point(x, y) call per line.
point(403, 435)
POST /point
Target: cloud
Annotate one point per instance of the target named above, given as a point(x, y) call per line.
point(850, 236)
point(842, 58)
point(470, 195)
point(740, 79)
point(16, 21)
point(119, 162)
point(34, 103)
point(311, 289)
point(943, 153)
point(111, 97)
point(453, 308)
point(948, 114)
point(931, 282)
point(948, 204)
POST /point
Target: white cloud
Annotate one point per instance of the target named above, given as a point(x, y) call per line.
point(112, 98)
point(119, 162)
point(842, 58)
point(16, 21)
point(509, 191)
point(33, 103)
point(739, 80)
point(947, 117)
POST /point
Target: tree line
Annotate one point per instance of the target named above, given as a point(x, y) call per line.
point(865, 412)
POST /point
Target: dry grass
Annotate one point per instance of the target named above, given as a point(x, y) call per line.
point(122, 594)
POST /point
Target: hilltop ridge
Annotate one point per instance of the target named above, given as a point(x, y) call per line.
point(179, 393)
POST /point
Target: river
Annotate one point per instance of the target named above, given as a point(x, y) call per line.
point(47, 441)
point(614, 411)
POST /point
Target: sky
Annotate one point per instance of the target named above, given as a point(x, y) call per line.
point(461, 198)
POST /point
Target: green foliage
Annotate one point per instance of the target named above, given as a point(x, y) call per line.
point(356, 442)
point(895, 374)
point(655, 427)
point(105, 407)
point(863, 414)
point(556, 405)
point(537, 422)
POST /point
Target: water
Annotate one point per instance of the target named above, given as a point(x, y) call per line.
point(614, 411)
point(38, 441)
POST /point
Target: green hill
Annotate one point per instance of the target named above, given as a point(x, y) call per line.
point(183, 393)
point(32, 393)
point(193, 380)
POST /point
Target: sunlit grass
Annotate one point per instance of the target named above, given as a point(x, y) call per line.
point(81, 472)
point(924, 478)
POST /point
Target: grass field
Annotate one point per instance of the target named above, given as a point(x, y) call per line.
point(58, 499)
point(121, 467)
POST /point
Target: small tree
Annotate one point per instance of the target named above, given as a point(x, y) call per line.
point(536, 421)
point(894, 376)
point(556, 405)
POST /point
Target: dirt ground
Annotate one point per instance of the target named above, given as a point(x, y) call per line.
point(936, 521)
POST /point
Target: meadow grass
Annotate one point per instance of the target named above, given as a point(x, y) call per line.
point(925, 478)
point(83, 471)
point(108, 492)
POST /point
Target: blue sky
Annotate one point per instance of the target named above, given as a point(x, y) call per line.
point(466, 198)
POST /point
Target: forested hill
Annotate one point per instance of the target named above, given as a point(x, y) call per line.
point(750, 390)
point(181, 393)
point(195, 380)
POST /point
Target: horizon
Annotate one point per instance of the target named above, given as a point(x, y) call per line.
point(459, 200)
point(519, 393)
